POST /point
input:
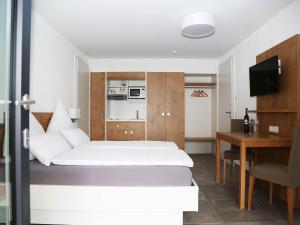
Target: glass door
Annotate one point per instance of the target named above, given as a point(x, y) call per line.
point(5, 153)
point(15, 20)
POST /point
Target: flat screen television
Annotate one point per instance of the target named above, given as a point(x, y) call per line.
point(264, 77)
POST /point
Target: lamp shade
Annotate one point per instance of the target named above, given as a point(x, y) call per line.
point(74, 113)
point(198, 25)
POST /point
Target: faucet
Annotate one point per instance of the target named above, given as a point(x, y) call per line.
point(137, 114)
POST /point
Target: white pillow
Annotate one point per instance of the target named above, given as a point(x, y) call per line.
point(75, 136)
point(48, 146)
point(35, 130)
point(60, 120)
point(31, 157)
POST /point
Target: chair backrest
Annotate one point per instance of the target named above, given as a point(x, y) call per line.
point(293, 173)
point(236, 126)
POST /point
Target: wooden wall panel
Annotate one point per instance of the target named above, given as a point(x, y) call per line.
point(298, 85)
point(2, 129)
point(298, 46)
point(288, 99)
point(97, 106)
point(44, 118)
point(285, 121)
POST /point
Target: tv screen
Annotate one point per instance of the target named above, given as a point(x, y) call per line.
point(264, 77)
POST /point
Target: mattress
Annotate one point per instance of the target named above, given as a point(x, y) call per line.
point(94, 156)
point(110, 175)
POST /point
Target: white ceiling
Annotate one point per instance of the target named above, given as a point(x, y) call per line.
point(151, 28)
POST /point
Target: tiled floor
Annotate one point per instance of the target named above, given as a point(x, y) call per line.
point(218, 205)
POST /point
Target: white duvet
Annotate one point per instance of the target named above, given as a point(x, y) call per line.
point(149, 153)
point(154, 145)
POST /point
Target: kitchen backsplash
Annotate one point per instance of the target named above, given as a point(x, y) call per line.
point(125, 110)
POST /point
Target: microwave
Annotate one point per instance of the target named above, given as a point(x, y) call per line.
point(137, 92)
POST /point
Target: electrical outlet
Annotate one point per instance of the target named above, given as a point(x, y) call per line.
point(274, 129)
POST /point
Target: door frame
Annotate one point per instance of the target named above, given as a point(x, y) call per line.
point(233, 90)
point(19, 118)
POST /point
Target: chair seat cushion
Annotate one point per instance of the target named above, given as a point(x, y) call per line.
point(275, 173)
point(234, 154)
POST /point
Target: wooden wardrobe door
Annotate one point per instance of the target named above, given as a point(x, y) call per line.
point(175, 108)
point(156, 126)
point(97, 106)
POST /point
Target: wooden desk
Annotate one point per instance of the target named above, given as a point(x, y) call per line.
point(246, 141)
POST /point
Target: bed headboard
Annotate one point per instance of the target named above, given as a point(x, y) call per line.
point(44, 118)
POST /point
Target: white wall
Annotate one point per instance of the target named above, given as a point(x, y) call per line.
point(124, 110)
point(52, 66)
point(155, 65)
point(82, 94)
point(279, 28)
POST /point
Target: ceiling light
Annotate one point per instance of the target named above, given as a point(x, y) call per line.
point(198, 25)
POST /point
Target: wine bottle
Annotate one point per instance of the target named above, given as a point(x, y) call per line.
point(246, 122)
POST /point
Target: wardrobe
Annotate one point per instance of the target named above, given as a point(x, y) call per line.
point(165, 108)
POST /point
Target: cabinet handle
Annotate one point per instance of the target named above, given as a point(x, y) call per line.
point(162, 114)
point(125, 132)
point(131, 132)
point(117, 125)
point(168, 114)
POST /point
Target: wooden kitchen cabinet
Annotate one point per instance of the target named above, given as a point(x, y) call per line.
point(165, 108)
point(97, 106)
point(125, 75)
point(125, 131)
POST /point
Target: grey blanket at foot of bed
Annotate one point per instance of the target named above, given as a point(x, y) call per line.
point(110, 175)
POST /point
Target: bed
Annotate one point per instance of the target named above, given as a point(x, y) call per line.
point(110, 194)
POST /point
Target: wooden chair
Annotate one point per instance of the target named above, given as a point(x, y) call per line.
point(234, 153)
point(285, 175)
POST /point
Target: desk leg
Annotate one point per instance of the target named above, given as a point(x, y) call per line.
point(218, 160)
point(242, 175)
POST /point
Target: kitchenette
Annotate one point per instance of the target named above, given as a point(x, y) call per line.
point(125, 109)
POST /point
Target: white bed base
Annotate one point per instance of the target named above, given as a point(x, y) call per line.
point(95, 205)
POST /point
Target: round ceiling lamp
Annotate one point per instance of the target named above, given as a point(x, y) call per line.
point(198, 25)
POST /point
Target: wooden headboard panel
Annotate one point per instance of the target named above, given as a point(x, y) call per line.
point(44, 118)
point(281, 109)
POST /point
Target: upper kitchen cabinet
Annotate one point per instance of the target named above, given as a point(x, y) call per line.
point(125, 75)
point(165, 107)
point(97, 106)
